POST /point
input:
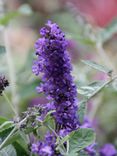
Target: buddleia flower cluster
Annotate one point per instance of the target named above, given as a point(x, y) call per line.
point(3, 84)
point(53, 62)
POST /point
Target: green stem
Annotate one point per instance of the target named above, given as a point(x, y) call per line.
point(51, 130)
point(56, 136)
point(10, 104)
point(12, 74)
point(10, 134)
point(105, 84)
point(67, 146)
point(92, 115)
point(5, 123)
point(17, 126)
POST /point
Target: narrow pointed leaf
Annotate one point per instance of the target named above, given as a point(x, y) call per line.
point(98, 67)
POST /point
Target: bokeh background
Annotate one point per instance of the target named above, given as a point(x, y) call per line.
point(90, 28)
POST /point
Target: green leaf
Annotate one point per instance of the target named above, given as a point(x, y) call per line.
point(98, 67)
point(83, 153)
point(80, 139)
point(48, 116)
point(21, 151)
point(82, 39)
point(5, 132)
point(8, 151)
point(2, 119)
point(6, 125)
point(2, 49)
point(12, 139)
point(82, 111)
point(16, 136)
point(8, 17)
point(90, 89)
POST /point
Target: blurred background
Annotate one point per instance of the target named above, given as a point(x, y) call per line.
point(91, 30)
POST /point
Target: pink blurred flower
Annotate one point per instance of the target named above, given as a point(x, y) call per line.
point(99, 13)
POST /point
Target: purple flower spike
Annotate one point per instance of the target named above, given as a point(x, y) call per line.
point(53, 62)
point(108, 150)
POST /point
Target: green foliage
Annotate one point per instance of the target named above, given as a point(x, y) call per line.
point(6, 125)
point(23, 10)
point(8, 17)
point(89, 90)
point(2, 119)
point(80, 139)
point(20, 150)
point(77, 140)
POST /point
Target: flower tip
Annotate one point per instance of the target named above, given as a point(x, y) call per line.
point(3, 84)
point(49, 22)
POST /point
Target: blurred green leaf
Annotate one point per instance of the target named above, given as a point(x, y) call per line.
point(2, 119)
point(8, 17)
point(19, 147)
point(5, 132)
point(82, 111)
point(22, 10)
point(90, 89)
point(98, 67)
point(83, 153)
point(12, 139)
point(82, 39)
point(8, 151)
point(48, 116)
point(6, 125)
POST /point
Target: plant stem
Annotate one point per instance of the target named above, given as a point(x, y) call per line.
point(17, 126)
point(94, 111)
point(67, 146)
point(105, 84)
point(10, 104)
point(5, 123)
point(10, 134)
point(11, 72)
point(56, 136)
point(52, 130)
